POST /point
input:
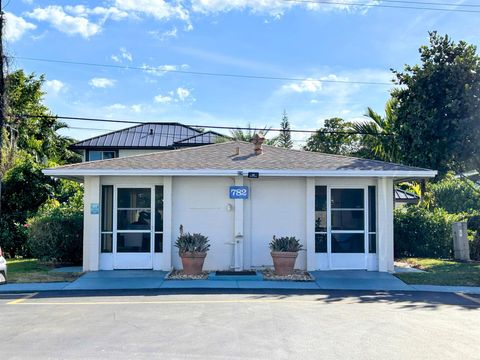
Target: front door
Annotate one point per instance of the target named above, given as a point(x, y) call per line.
point(347, 221)
point(133, 238)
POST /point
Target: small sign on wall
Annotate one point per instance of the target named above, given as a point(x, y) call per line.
point(238, 192)
point(94, 209)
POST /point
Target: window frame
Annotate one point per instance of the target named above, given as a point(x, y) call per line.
point(107, 232)
point(88, 151)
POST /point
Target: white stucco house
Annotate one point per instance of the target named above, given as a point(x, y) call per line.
point(341, 208)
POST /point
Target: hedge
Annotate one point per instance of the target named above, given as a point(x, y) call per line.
point(419, 232)
point(57, 235)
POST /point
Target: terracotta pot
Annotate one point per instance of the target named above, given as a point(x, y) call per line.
point(284, 262)
point(193, 262)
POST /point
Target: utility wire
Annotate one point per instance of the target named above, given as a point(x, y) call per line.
point(366, 5)
point(75, 118)
point(201, 73)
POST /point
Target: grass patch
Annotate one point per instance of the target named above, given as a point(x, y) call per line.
point(32, 270)
point(442, 272)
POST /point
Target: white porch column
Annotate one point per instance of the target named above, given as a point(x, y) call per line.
point(91, 223)
point(166, 264)
point(310, 223)
point(385, 224)
point(238, 228)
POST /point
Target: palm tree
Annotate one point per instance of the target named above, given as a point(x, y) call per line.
point(247, 135)
point(377, 134)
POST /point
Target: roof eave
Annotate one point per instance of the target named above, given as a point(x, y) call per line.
point(214, 172)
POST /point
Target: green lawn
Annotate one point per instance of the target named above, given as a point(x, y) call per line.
point(31, 270)
point(442, 272)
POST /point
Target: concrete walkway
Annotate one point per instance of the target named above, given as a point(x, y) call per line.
point(146, 279)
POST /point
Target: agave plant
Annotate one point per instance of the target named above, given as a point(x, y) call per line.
point(195, 242)
point(285, 244)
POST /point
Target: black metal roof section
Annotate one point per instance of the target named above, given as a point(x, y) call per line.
point(148, 135)
point(406, 196)
point(207, 137)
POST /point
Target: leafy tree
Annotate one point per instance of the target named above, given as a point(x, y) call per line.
point(377, 138)
point(438, 111)
point(247, 135)
point(455, 195)
point(333, 138)
point(284, 139)
point(36, 133)
point(30, 143)
point(25, 188)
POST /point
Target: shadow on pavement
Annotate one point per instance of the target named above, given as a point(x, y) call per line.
point(402, 299)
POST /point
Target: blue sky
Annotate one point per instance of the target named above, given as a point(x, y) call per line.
point(256, 37)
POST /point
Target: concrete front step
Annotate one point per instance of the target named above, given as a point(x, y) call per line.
point(257, 277)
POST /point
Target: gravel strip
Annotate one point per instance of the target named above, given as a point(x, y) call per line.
point(179, 275)
point(298, 275)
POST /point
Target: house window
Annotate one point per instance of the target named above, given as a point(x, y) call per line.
point(347, 221)
point(158, 243)
point(372, 220)
point(93, 155)
point(320, 219)
point(107, 219)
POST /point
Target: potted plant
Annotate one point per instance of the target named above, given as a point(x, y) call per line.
point(284, 251)
point(192, 248)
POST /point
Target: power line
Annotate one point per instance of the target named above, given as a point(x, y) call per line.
point(200, 73)
point(384, 6)
point(76, 118)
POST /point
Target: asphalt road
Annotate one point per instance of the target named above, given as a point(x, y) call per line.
point(281, 325)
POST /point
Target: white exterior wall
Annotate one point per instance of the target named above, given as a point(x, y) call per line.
point(91, 224)
point(385, 203)
point(202, 205)
point(240, 230)
point(276, 206)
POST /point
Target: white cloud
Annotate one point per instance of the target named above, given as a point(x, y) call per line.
point(54, 86)
point(116, 58)
point(102, 82)
point(163, 99)
point(159, 9)
point(183, 93)
point(68, 24)
point(125, 54)
point(274, 8)
point(162, 69)
point(16, 27)
point(137, 108)
point(308, 85)
point(116, 106)
point(162, 36)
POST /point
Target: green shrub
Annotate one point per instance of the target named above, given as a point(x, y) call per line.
point(285, 244)
point(57, 235)
point(187, 242)
point(454, 195)
point(419, 232)
point(475, 247)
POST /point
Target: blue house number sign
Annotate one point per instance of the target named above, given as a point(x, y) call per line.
point(239, 192)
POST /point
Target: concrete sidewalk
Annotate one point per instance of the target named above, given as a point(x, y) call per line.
point(147, 279)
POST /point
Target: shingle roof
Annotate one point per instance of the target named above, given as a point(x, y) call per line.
point(147, 135)
point(223, 156)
